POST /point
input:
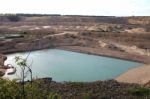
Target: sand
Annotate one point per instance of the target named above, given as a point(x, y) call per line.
point(139, 75)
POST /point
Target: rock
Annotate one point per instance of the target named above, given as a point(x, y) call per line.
point(2, 60)
point(2, 67)
point(2, 72)
point(102, 44)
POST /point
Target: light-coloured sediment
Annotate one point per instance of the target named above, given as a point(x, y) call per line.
point(140, 75)
point(108, 53)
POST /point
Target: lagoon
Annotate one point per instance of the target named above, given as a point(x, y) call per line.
point(64, 65)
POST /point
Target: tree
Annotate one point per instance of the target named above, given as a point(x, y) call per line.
point(13, 18)
point(25, 68)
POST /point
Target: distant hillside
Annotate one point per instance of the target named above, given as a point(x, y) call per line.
point(61, 18)
point(56, 19)
point(139, 20)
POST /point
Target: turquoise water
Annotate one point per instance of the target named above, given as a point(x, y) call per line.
point(71, 66)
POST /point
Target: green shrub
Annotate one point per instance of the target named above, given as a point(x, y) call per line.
point(12, 90)
point(86, 96)
point(140, 91)
point(9, 89)
point(54, 96)
point(77, 84)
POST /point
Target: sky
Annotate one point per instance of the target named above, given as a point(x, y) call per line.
point(78, 7)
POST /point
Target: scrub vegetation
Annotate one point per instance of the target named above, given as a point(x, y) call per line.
point(47, 89)
point(13, 90)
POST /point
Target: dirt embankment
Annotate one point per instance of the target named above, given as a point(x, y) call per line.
point(77, 42)
point(108, 53)
point(2, 67)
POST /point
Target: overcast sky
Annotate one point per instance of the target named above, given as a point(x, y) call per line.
point(78, 7)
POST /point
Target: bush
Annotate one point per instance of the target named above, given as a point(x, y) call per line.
point(141, 91)
point(9, 89)
point(86, 95)
point(13, 90)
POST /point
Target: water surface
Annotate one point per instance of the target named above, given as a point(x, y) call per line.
point(71, 66)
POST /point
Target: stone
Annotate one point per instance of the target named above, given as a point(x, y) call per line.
point(2, 59)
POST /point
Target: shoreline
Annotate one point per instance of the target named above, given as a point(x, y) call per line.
point(111, 54)
point(92, 51)
point(139, 75)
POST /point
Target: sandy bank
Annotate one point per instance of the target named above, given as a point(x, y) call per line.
point(108, 53)
point(140, 75)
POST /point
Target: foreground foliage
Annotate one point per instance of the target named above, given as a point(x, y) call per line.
point(140, 91)
point(12, 90)
point(47, 89)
